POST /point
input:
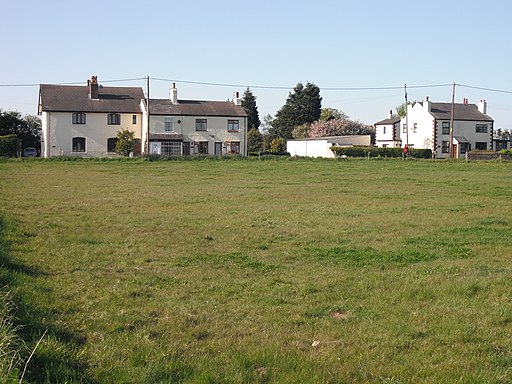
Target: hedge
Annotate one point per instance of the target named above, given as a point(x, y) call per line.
point(9, 145)
point(381, 152)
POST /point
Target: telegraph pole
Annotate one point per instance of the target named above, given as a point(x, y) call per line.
point(452, 155)
point(146, 144)
point(406, 121)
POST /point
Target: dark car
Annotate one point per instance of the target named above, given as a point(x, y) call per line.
point(29, 152)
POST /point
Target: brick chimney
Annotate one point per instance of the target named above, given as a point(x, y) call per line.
point(94, 93)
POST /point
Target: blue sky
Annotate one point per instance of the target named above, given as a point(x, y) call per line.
point(334, 44)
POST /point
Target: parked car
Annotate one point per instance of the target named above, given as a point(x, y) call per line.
point(29, 152)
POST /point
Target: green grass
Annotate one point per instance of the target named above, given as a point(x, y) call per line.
point(279, 271)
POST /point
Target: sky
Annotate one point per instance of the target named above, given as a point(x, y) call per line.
point(268, 46)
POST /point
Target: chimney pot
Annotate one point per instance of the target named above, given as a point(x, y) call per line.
point(93, 88)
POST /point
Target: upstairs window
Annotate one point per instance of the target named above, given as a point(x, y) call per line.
point(201, 125)
point(78, 118)
point(78, 144)
point(415, 128)
point(233, 126)
point(134, 119)
point(113, 119)
point(446, 127)
point(384, 130)
point(404, 128)
point(481, 128)
point(168, 124)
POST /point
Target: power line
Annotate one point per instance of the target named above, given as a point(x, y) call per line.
point(484, 89)
point(288, 87)
point(70, 83)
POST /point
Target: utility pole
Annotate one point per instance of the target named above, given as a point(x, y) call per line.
point(452, 155)
point(146, 144)
point(406, 121)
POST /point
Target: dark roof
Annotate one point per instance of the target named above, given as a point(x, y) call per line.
point(443, 111)
point(195, 108)
point(392, 120)
point(71, 98)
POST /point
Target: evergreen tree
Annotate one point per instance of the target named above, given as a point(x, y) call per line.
point(303, 106)
point(249, 104)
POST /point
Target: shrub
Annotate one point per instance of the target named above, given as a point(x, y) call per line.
point(9, 145)
point(381, 152)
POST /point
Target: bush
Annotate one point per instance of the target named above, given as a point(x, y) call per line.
point(9, 145)
point(506, 152)
point(381, 152)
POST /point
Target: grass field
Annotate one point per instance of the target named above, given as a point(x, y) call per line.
point(290, 271)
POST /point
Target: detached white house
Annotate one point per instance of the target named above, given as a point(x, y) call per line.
point(321, 146)
point(387, 132)
point(84, 121)
point(188, 127)
point(429, 128)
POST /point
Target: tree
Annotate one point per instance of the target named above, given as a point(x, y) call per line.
point(340, 127)
point(503, 134)
point(249, 104)
point(401, 110)
point(254, 140)
point(332, 114)
point(125, 142)
point(28, 128)
point(278, 145)
point(303, 106)
point(301, 131)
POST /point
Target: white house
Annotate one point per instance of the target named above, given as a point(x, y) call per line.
point(188, 127)
point(84, 120)
point(429, 127)
point(387, 132)
point(321, 146)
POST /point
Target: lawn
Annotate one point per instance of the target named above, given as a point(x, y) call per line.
point(288, 271)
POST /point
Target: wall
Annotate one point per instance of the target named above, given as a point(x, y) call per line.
point(424, 136)
point(59, 132)
point(382, 138)
point(309, 148)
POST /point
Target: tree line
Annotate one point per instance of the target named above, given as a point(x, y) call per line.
point(302, 116)
point(18, 132)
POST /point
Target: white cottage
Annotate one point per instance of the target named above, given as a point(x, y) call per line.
point(387, 132)
point(84, 120)
point(188, 127)
point(429, 127)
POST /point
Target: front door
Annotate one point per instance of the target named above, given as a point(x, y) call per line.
point(455, 153)
point(218, 148)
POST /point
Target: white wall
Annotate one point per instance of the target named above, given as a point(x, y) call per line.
point(309, 148)
point(382, 138)
point(58, 132)
point(424, 136)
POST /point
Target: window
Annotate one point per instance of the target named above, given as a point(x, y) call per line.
point(501, 144)
point(78, 118)
point(464, 147)
point(78, 144)
point(404, 128)
point(113, 119)
point(481, 128)
point(445, 147)
point(111, 144)
point(134, 119)
point(202, 147)
point(168, 124)
point(384, 130)
point(171, 148)
point(446, 127)
point(415, 128)
point(482, 146)
point(200, 124)
point(233, 126)
point(233, 147)
point(384, 145)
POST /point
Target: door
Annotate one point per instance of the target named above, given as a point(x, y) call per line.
point(218, 148)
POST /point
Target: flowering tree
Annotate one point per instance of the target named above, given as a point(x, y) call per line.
point(340, 127)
